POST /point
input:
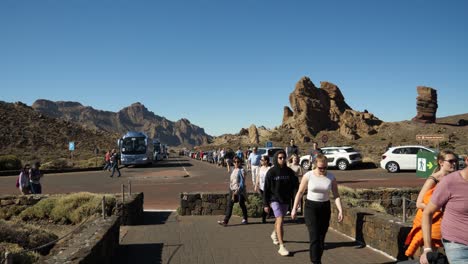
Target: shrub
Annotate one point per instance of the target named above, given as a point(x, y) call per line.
point(254, 206)
point(55, 164)
point(10, 162)
point(19, 256)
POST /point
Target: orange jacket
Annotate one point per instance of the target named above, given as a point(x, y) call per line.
point(414, 240)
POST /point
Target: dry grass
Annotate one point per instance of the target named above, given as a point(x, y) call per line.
point(69, 209)
point(19, 257)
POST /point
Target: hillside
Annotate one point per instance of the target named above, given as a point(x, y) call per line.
point(33, 136)
point(135, 117)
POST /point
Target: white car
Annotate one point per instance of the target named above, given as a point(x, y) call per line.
point(339, 157)
point(402, 158)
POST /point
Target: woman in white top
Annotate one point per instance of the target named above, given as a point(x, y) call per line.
point(260, 181)
point(317, 212)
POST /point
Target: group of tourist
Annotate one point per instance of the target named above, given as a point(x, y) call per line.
point(278, 184)
point(111, 160)
point(29, 179)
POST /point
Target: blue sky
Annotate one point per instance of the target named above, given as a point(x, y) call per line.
point(225, 65)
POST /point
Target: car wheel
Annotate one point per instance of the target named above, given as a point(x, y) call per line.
point(305, 164)
point(392, 167)
point(342, 164)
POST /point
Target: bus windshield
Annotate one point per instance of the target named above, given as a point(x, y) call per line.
point(134, 145)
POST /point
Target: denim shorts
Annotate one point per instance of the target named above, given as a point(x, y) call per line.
point(456, 253)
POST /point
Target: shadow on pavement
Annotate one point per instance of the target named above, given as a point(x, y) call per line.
point(140, 253)
point(155, 218)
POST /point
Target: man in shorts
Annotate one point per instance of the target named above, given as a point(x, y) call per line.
point(281, 185)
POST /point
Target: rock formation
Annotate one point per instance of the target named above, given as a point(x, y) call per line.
point(426, 105)
point(136, 117)
point(253, 135)
point(314, 110)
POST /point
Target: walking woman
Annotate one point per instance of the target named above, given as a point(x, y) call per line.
point(317, 211)
point(446, 163)
point(260, 180)
point(237, 192)
point(23, 180)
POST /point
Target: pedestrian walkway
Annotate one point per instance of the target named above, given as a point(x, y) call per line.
point(167, 238)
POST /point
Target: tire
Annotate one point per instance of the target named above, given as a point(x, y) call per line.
point(342, 164)
point(305, 165)
point(392, 167)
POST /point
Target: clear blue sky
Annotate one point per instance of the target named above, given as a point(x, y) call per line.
point(225, 65)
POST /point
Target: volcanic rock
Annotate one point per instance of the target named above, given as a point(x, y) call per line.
point(426, 105)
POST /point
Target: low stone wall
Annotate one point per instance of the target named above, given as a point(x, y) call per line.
point(96, 241)
point(378, 230)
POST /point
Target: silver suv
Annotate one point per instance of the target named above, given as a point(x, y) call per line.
point(339, 157)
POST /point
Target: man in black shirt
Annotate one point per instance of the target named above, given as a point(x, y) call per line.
point(292, 149)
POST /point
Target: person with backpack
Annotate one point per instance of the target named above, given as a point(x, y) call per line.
point(22, 183)
point(115, 163)
point(237, 193)
point(35, 176)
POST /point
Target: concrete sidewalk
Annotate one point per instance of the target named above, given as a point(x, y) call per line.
point(166, 237)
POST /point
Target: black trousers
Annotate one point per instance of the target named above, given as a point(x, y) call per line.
point(317, 218)
point(230, 205)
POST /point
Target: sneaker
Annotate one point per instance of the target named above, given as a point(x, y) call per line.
point(274, 237)
point(244, 221)
point(222, 223)
point(283, 251)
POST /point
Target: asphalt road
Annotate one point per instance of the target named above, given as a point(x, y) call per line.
point(163, 182)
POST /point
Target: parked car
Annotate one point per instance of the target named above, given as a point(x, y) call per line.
point(402, 158)
point(270, 152)
point(339, 157)
point(461, 162)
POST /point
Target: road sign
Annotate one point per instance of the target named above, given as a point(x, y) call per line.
point(426, 162)
point(269, 144)
point(71, 146)
point(430, 137)
point(324, 139)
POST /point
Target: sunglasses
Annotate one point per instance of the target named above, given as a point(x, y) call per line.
point(281, 158)
point(451, 161)
point(237, 162)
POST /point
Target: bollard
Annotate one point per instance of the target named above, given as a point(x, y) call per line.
point(104, 207)
point(129, 188)
point(404, 209)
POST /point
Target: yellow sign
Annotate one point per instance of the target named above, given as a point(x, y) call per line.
point(430, 137)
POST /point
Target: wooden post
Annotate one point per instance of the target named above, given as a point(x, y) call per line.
point(123, 194)
point(129, 188)
point(404, 209)
point(104, 207)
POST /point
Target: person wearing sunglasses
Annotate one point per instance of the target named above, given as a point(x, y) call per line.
point(451, 194)
point(280, 187)
point(317, 211)
point(260, 181)
point(446, 163)
point(237, 193)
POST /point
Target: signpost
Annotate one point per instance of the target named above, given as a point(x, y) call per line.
point(269, 144)
point(71, 147)
point(435, 137)
point(426, 162)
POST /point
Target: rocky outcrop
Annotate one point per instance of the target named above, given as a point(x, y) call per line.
point(426, 105)
point(317, 109)
point(135, 117)
point(253, 135)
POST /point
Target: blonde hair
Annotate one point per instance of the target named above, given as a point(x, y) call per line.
point(320, 157)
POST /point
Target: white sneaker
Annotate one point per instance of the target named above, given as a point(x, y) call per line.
point(283, 251)
point(274, 237)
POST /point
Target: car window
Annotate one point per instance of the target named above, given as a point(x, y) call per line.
point(261, 151)
point(400, 151)
point(350, 150)
point(272, 152)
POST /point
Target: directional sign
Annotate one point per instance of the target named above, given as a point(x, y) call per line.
point(269, 144)
point(426, 162)
point(430, 137)
point(71, 146)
